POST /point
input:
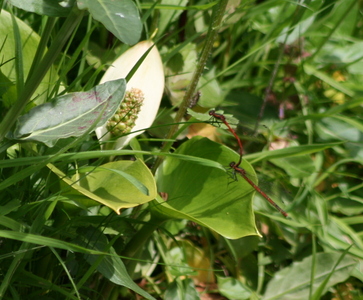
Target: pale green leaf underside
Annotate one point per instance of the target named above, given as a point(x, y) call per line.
point(71, 115)
point(107, 186)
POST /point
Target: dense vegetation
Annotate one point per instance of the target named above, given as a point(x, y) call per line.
point(94, 211)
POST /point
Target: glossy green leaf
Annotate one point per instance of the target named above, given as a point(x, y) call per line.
point(334, 128)
point(142, 188)
point(105, 185)
point(233, 289)
point(206, 195)
point(110, 266)
point(70, 115)
point(50, 8)
point(120, 17)
point(294, 282)
point(296, 166)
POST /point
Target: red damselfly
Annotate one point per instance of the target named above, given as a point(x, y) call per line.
point(222, 118)
point(242, 172)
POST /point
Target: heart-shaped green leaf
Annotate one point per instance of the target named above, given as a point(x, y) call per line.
point(109, 185)
point(206, 195)
point(295, 282)
point(120, 17)
point(43, 7)
point(71, 115)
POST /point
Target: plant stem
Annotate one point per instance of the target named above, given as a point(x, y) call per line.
point(216, 20)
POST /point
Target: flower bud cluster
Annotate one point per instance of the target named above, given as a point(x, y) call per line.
point(125, 117)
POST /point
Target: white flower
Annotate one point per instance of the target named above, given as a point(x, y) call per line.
point(148, 81)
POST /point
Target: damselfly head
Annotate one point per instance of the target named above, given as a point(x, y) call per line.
point(232, 164)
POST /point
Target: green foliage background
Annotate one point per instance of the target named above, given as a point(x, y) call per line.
point(163, 218)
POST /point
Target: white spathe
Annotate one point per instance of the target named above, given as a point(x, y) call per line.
point(149, 78)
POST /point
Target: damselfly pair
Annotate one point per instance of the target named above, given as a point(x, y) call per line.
point(236, 165)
